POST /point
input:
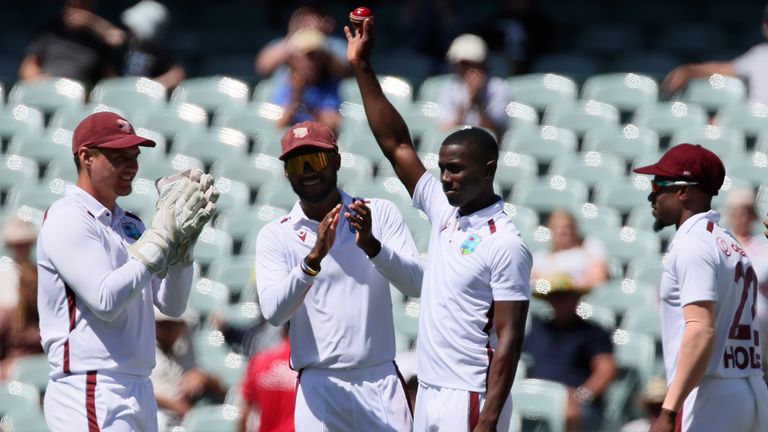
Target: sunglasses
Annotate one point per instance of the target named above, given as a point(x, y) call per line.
point(658, 185)
point(317, 161)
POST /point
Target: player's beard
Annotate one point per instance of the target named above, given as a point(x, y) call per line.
point(318, 196)
point(658, 225)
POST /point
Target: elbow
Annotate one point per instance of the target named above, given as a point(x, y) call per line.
point(106, 313)
point(272, 316)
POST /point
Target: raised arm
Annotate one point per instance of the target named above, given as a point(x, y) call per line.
point(387, 125)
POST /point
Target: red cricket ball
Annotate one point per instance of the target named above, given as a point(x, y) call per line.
point(359, 14)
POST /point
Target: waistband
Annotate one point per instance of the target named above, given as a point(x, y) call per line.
point(113, 375)
point(381, 369)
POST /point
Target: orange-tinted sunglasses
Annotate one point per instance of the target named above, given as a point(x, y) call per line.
point(317, 161)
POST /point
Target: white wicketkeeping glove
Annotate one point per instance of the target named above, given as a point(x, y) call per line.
point(191, 220)
point(153, 246)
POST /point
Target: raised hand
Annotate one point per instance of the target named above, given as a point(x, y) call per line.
point(359, 218)
point(326, 236)
point(360, 44)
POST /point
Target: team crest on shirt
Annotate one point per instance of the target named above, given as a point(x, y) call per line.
point(302, 234)
point(130, 230)
point(470, 244)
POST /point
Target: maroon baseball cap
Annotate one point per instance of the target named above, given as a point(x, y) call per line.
point(106, 130)
point(307, 134)
point(690, 162)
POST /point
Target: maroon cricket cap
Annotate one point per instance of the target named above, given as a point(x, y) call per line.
point(690, 162)
point(307, 134)
point(106, 130)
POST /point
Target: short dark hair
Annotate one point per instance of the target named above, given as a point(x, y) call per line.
point(483, 144)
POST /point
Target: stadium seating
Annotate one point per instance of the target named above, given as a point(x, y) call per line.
point(621, 295)
point(625, 91)
point(25, 421)
point(18, 397)
point(666, 117)
point(398, 90)
point(525, 219)
point(725, 142)
point(592, 168)
point(591, 219)
point(752, 167)
point(582, 116)
point(233, 195)
point(129, 95)
point(47, 94)
point(514, 167)
point(211, 92)
point(212, 244)
point(160, 166)
point(170, 120)
point(354, 168)
point(17, 170)
point(142, 199)
point(208, 296)
point(715, 92)
point(430, 88)
point(212, 145)
point(234, 272)
point(540, 401)
point(212, 418)
point(572, 64)
point(655, 64)
point(277, 192)
point(628, 141)
point(646, 269)
point(541, 90)
point(68, 117)
point(32, 369)
point(750, 118)
point(19, 118)
point(624, 195)
point(551, 194)
point(544, 143)
point(629, 243)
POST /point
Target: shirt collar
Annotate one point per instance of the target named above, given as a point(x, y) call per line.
point(298, 216)
point(481, 216)
point(92, 205)
point(712, 215)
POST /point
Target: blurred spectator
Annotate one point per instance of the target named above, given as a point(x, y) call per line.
point(569, 350)
point(20, 323)
point(275, 55)
point(19, 237)
point(474, 98)
point(431, 24)
point(522, 33)
point(269, 389)
point(750, 66)
point(310, 91)
point(147, 21)
point(179, 384)
point(582, 263)
point(741, 214)
point(652, 399)
point(78, 45)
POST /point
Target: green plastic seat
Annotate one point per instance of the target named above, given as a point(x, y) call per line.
point(212, 418)
point(725, 142)
point(398, 90)
point(621, 295)
point(666, 117)
point(626, 195)
point(160, 166)
point(521, 116)
point(750, 118)
point(525, 218)
point(629, 243)
point(256, 120)
point(129, 94)
point(254, 171)
point(547, 195)
point(389, 188)
point(544, 143)
point(68, 117)
point(595, 219)
point(208, 296)
point(752, 167)
point(541, 90)
point(16, 169)
point(360, 141)
point(242, 315)
point(541, 401)
point(646, 269)
point(640, 218)
point(625, 91)
point(25, 421)
point(514, 168)
point(628, 141)
point(212, 92)
point(32, 369)
point(42, 147)
point(212, 244)
point(235, 272)
point(715, 91)
point(573, 64)
point(232, 194)
point(430, 88)
point(592, 168)
point(171, 120)
point(406, 318)
point(19, 118)
point(213, 144)
point(142, 199)
point(354, 168)
point(35, 195)
point(16, 396)
point(47, 94)
point(277, 192)
point(644, 319)
point(264, 90)
point(582, 116)
point(241, 221)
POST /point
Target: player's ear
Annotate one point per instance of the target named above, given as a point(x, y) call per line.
point(336, 157)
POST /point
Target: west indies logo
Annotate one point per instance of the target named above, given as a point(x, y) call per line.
point(470, 244)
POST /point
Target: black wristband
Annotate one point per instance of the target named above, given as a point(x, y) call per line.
point(671, 414)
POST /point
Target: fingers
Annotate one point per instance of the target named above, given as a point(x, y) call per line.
point(367, 27)
point(348, 33)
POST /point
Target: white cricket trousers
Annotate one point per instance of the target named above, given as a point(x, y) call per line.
point(727, 405)
point(100, 402)
point(450, 410)
point(352, 400)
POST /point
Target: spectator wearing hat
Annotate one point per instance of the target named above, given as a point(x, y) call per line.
point(310, 91)
point(19, 320)
point(582, 262)
point(147, 22)
point(473, 97)
point(572, 351)
point(651, 399)
point(176, 379)
point(750, 66)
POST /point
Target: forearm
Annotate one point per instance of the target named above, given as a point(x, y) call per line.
point(279, 297)
point(30, 68)
point(692, 361)
point(173, 294)
point(699, 70)
point(501, 375)
point(271, 57)
point(402, 269)
point(603, 372)
point(172, 78)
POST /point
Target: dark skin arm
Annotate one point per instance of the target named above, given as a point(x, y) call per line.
point(509, 321)
point(387, 125)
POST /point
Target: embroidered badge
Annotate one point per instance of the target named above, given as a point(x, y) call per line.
point(131, 231)
point(302, 233)
point(470, 244)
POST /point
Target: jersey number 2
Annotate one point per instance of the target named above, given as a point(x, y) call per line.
point(749, 279)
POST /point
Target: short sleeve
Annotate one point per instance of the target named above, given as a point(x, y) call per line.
point(696, 269)
point(510, 267)
point(752, 61)
point(428, 197)
point(600, 342)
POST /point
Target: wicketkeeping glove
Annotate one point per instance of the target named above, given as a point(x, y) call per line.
point(153, 247)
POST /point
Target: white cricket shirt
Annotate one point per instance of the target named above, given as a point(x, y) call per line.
point(706, 263)
point(341, 318)
point(472, 261)
point(94, 299)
